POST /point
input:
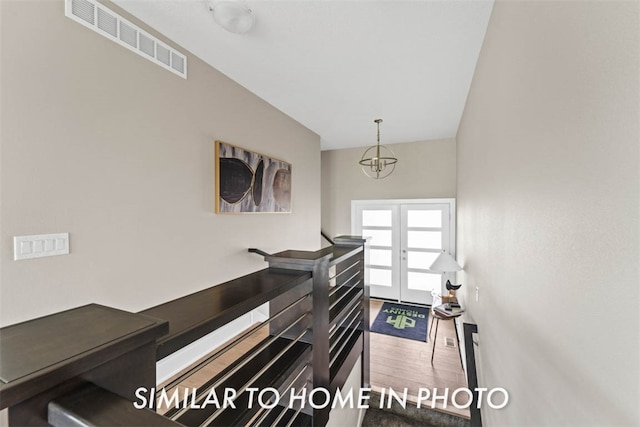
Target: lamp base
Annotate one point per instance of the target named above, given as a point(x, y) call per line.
point(449, 298)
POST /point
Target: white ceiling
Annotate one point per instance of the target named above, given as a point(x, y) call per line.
point(335, 66)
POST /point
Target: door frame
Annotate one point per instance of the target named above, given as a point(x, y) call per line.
point(397, 202)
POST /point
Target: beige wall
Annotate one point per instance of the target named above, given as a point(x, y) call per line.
point(548, 212)
point(105, 145)
point(425, 169)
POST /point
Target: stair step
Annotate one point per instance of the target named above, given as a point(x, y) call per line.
point(424, 416)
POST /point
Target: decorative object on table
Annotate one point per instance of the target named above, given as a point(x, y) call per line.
point(401, 320)
point(249, 182)
point(378, 161)
point(445, 263)
point(446, 310)
point(232, 15)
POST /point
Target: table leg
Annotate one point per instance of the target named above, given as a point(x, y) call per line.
point(433, 349)
point(455, 327)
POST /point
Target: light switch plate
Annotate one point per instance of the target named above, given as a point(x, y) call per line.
point(40, 245)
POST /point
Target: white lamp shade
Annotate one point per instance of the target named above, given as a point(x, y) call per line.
point(445, 264)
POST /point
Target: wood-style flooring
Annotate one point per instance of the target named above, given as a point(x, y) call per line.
point(400, 363)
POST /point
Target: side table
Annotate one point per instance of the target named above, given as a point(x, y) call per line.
point(440, 313)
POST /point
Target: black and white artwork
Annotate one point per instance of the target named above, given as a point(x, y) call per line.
point(249, 182)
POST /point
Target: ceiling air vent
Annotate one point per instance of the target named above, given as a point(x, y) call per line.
point(104, 21)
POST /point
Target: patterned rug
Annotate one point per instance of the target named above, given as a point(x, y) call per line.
point(401, 320)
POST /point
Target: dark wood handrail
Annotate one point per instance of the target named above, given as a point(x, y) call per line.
point(112, 348)
point(85, 407)
point(258, 251)
point(327, 238)
point(194, 316)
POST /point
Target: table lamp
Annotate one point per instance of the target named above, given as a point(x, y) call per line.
point(445, 263)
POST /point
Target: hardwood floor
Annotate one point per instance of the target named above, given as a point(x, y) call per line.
point(400, 363)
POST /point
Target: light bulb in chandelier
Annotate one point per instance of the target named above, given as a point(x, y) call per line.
point(378, 161)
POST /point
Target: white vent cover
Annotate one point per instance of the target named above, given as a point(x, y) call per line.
point(104, 21)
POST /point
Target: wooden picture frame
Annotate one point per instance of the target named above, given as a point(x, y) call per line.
point(250, 182)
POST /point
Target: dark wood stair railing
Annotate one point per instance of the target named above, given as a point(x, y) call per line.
point(86, 406)
point(327, 238)
point(340, 311)
point(317, 330)
point(46, 358)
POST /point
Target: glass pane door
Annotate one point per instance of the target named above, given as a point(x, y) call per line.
point(424, 233)
point(405, 237)
point(379, 224)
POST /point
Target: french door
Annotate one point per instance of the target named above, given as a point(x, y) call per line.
point(406, 236)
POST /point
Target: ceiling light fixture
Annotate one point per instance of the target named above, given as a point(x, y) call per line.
point(233, 16)
point(378, 161)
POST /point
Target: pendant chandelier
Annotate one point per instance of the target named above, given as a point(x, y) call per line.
point(378, 161)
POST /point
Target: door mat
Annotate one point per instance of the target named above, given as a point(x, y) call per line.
point(401, 320)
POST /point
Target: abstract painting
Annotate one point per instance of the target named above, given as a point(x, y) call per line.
point(249, 182)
